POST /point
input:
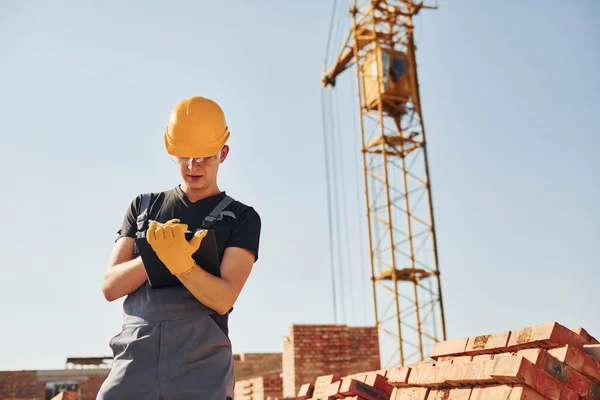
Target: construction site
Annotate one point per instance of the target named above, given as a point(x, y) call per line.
point(406, 353)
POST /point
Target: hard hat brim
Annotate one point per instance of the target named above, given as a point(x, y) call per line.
point(183, 149)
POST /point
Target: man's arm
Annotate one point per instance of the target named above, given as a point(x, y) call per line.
point(123, 274)
point(220, 294)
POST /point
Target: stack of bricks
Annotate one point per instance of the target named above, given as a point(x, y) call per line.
point(371, 385)
point(546, 361)
point(262, 388)
point(313, 350)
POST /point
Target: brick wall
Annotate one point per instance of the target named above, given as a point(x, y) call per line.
point(364, 350)
point(90, 387)
point(31, 385)
point(309, 351)
point(316, 350)
point(21, 384)
point(259, 388)
point(252, 365)
point(288, 367)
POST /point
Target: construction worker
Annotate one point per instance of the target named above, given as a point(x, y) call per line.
point(174, 343)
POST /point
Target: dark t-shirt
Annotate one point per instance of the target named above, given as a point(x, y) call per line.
point(238, 226)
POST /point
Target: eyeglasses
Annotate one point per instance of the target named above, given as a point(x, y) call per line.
point(199, 160)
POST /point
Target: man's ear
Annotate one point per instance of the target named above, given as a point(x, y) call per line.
point(224, 152)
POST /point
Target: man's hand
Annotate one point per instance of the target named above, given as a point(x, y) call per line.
point(170, 245)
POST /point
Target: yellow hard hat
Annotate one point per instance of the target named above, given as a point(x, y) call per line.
point(197, 128)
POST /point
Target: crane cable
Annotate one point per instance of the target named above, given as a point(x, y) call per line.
point(336, 205)
point(324, 120)
point(359, 215)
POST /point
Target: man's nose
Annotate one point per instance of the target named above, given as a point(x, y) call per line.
point(193, 164)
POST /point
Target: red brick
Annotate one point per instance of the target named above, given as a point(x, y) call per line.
point(359, 377)
point(485, 344)
point(422, 374)
point(592, 350)
point(496, 392)
point(505, 392)
point(323, 383)
point(522, 392)
point(378, 381)
point(487, 357)
point(519, 370)
point(443, 361)
point(450, 394)
point(332, 390)
point(548, 335)
point(452, 360)
point(398, 377)
point(306, 391)
point(587, 337)
point(410, 393)
point(453, 374)
point(578, 360)
point(451, 347)
point(575, 380)
point(483, 369)
point(351, 387)
point(476, 372)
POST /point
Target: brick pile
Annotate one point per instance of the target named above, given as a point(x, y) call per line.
point(264, 387)
point(546, 361)
point(369, 385)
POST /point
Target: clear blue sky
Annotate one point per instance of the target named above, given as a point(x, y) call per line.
point(511, 96)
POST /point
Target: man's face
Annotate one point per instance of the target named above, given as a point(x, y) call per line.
point(201, 173)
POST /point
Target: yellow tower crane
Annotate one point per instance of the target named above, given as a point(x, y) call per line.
point(404, 264)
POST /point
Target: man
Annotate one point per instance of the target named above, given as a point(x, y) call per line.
point(174, 341)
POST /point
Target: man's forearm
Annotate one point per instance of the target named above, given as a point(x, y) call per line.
point(214, 292)
point(124, 278)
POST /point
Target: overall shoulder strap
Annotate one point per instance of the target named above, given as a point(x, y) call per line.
point(142, 218)
point(214, 214)
point(146, 198)
point(212, 217)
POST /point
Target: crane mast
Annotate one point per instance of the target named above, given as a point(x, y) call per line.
point(405, 276)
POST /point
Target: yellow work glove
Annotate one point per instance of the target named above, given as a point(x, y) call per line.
point(172, 248)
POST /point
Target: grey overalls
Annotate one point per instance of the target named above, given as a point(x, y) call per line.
point(169, 346)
